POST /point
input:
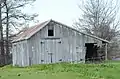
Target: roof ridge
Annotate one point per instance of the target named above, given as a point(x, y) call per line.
point(34, 29)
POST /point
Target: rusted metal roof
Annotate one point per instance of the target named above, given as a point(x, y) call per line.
point(30, 32)
point(33, 30)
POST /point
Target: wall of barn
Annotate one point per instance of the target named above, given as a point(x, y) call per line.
point(66, 45)
point(20, 53)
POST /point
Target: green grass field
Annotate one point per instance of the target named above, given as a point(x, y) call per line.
point(63, 71)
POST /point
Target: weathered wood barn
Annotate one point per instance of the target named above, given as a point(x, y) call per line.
point(51, 42)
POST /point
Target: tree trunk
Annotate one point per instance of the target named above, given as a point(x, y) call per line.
point(7, 33)
point(1, 39)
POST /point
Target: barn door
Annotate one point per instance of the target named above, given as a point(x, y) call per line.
point(81, 51)
point(51, 50)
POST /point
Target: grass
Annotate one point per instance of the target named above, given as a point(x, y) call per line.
point(108, 70)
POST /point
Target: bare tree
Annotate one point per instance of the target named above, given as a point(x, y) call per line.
point(99, 18)
point(13, 16)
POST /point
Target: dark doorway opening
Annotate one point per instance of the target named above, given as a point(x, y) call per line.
point(91, 52)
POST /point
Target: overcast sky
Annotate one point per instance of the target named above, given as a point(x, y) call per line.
point(65, 11)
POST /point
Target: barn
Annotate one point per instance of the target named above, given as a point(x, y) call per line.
point(52, 42)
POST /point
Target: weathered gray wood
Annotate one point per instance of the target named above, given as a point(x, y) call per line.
point(66, 45)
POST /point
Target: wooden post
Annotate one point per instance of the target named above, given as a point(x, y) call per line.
point(105, 51)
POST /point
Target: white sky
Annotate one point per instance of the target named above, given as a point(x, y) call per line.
point(65, 11)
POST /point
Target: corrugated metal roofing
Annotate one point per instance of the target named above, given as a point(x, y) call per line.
point(31, 31)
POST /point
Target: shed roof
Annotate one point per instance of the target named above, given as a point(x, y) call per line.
point(33, 30)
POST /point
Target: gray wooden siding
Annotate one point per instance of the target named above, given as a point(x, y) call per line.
point(20, 53)
point(66, 45)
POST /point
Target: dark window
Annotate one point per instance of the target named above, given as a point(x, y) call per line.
point(51, 31)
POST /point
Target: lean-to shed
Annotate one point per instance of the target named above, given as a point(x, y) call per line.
point(51, 42)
